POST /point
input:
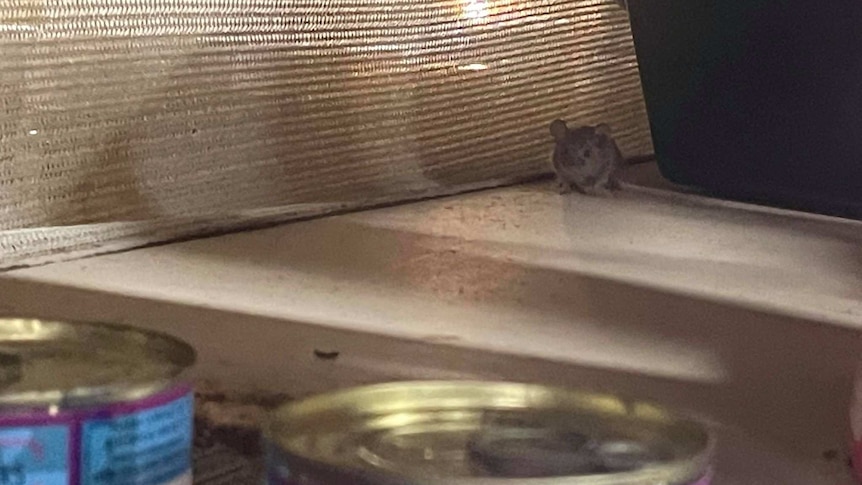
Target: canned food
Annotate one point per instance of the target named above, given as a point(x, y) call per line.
point(856, 425)
point(482, 433)
point(93, 404)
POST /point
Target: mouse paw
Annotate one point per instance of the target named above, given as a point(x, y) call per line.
point(563, 188)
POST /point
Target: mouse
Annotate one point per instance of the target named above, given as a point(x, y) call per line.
point(585, 158)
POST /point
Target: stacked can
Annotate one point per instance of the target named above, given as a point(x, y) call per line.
point(856, 425)
point(93, 404)
point(482, 433)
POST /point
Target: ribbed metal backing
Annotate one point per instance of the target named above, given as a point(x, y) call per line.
point(169, 112)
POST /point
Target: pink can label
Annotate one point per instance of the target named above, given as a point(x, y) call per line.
point(856, 425)
point(856, 459)
point(145, 442)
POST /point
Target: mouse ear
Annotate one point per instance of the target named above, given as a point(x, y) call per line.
point(559, 130)
point(603, 129)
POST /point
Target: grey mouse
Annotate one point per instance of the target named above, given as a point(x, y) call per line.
point(585, 158)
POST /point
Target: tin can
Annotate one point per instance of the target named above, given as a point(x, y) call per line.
point(93, 404)
point(482, 433)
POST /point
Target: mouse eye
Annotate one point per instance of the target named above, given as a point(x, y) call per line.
point(587, 153)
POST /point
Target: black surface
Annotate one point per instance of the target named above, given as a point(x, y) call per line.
point(756, 99)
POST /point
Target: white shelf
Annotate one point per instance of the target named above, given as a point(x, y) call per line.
point(748, 316)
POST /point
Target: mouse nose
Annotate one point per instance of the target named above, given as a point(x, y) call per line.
point(559, 130)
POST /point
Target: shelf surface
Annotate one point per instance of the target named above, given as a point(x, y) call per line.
point(747, 315)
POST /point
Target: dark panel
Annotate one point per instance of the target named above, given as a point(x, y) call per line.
point(756, 98)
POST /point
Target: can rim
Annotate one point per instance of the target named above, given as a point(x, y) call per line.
point(680, 471)
point(183, 357)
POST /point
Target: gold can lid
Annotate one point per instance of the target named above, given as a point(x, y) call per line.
point(54, 363)
point(476, 433)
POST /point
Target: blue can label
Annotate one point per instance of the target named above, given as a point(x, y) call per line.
point(150, 447)
point(144, 442)
point(34, 455)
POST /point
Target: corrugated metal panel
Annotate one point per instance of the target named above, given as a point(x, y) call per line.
point(165, 113)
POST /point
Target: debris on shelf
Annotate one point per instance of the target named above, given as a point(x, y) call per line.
point(227, 444)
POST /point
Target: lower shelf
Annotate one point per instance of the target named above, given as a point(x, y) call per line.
point(689, 303)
